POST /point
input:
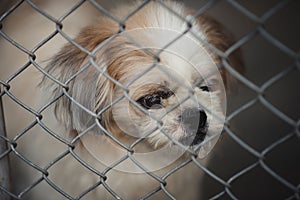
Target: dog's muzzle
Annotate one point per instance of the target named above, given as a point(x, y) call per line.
point(194, 122)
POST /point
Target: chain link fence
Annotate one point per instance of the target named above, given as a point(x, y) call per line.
point(258, 156)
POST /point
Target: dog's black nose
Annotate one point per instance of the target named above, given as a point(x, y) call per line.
point(194, 122)
point(193, 119)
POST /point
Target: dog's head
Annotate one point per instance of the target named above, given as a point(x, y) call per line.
point(152, 82)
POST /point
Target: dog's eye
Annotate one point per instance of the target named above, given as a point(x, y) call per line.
point(205, 88)
point(153, 101)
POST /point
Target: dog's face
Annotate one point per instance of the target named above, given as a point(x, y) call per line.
point(145, 89)
point(178, 100)
point(165, 108)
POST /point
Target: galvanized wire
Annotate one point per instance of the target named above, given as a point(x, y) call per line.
point(260, 156)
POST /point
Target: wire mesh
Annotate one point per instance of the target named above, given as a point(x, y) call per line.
point(226, 187)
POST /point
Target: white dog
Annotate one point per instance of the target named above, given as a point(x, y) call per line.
point(137, 99)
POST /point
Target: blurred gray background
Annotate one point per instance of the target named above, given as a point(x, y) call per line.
point(257, 125)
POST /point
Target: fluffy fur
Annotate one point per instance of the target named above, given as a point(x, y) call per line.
point(106, 86)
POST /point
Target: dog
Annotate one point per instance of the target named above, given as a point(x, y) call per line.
point(137, 98)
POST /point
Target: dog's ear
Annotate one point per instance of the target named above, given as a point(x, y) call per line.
point(222, 40)
point(81, 86)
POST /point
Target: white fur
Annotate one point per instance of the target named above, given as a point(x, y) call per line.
point(185, 60)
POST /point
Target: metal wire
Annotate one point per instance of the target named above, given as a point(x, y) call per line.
point(10, 145)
